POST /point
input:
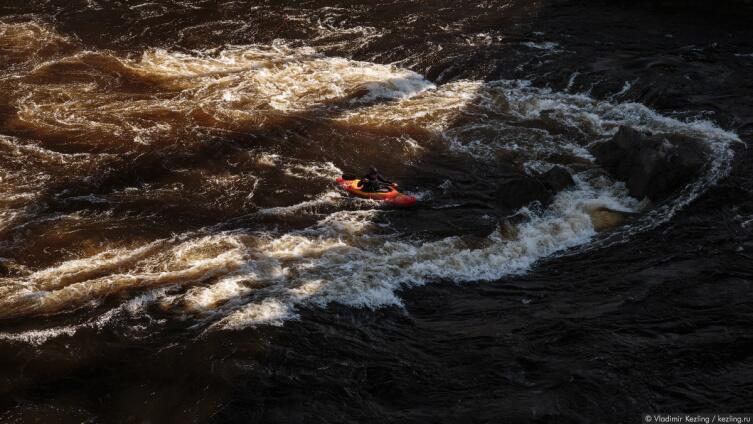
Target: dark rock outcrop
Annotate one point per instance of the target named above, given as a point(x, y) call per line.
point(653, 166)
point(517, 192)
point(523, 190)
point(557, 179)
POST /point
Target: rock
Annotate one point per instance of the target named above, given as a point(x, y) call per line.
point(604, 218)
point(521, 191)
point(653, 166)
point(557, 179)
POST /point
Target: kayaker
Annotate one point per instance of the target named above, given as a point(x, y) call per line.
point(374, 182)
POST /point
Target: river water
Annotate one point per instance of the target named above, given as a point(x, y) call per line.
point(173, 247)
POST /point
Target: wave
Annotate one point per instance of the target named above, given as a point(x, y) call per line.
point(310, 116)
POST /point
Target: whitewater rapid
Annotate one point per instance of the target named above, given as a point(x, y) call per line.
point(79, 111)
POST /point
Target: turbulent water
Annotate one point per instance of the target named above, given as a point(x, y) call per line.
point(173, 247)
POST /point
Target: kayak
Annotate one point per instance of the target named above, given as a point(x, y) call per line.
point(392, 197)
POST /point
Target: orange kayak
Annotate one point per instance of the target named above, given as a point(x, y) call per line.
point(393, 196)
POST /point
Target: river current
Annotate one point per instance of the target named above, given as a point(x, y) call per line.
point(173, 247)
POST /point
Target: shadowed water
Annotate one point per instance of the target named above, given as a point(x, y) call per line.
point(173, 247)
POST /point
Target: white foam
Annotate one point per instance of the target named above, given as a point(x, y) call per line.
point(545, 45)
point(41, 336)
point(326, 264)
point(571, 80)
point(433, 109)
point(625, 88)
point(246, 278)
point(208, 298)
point(181, 260)
point(328, 198)
point(30, 41)
point(38, 337)
point(269, 311)
point(326, 170)
point(237, 86)
point(365, 271)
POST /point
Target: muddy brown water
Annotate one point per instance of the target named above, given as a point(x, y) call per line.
point(173, 248)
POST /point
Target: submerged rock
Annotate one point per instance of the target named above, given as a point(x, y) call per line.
point(522, 190)
point(604, 218)
point(653, 166)
point(557, 179)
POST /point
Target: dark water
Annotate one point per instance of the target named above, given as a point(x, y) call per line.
point(173, 248)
